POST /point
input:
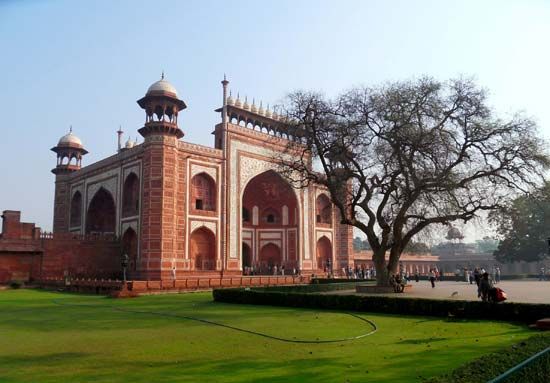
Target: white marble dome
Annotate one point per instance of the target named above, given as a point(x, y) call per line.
point(162, 86)
point(70, 139)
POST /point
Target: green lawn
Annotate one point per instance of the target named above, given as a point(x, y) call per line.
point(42, 339)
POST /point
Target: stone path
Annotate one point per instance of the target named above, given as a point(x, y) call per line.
point(528, 291)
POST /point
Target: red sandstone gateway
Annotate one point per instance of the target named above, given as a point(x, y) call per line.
point(180, 210)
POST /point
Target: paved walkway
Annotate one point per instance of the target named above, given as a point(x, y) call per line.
point(528, 291)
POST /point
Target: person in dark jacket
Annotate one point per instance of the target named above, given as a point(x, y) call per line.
point(485, 288)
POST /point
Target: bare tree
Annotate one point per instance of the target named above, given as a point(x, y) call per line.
point(401, 157)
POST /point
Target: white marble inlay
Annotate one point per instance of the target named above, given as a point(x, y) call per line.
point(324, 233)
point(208, 224)
point(277, 235)
point(196, 169)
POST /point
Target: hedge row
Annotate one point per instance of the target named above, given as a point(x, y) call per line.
point(517, 312)
point(492, 365)
point(322, 281)
point(311, 288)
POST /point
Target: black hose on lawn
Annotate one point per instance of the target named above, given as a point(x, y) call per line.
point(60, 303)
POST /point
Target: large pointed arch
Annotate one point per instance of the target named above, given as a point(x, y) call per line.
point(101, 215)
point(275, 211)
point(269, 192)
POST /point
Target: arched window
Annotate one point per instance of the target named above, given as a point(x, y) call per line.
point(203, 192)
point(76, 210)
point(130, 196)
point(271, 216)
point(323, 210)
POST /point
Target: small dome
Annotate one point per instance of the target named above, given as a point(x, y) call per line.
point(253, 108)
point(129, 144)
point(246, 106)
point(238, 103)
point(162, 86)
point(261, 110)
point(230, 100)
point(70, 139)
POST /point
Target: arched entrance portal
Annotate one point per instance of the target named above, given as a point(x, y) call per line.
point(324, 254)
point(270, 256)
point(203, 249)
point(247, 256)
point(129, 246)
point(270, 213)
point(101, 217)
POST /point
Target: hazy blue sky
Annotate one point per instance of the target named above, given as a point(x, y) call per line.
point(85, 63)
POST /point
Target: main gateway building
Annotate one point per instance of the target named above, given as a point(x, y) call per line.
point(183, 209)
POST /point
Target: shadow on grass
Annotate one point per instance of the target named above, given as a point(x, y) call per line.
point(422, 341)
point(59, 357)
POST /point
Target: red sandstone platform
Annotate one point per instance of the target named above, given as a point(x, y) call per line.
point(111, 287)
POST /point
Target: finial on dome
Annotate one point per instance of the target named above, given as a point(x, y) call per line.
point(162, 75)
point(70, 128)
point(275, 115)
point(230, 100)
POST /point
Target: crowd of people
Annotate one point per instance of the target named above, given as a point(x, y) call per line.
point(359, 272)
point(270, 270)
point(474, 275)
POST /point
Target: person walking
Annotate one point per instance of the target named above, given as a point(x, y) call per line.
point(477, 276)
point(432, 277)
point(497, 275)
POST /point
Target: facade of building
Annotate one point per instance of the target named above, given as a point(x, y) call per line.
point(182, 209)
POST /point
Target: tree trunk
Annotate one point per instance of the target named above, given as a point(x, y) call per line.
point(393, 262)
point(379, 259)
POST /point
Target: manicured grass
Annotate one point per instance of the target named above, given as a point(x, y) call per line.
point(45, 341)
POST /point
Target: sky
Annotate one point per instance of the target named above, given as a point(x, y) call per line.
point(85, 63)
